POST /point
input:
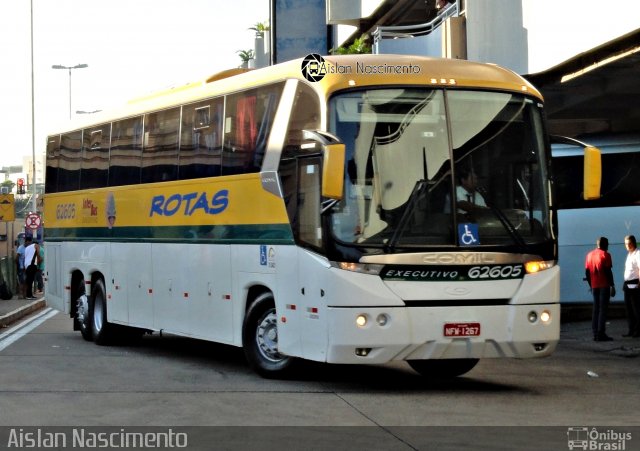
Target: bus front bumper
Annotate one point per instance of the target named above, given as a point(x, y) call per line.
point(382, 334)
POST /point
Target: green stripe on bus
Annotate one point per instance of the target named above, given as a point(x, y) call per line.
point(230, 234)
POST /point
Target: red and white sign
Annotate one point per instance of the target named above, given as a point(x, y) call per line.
point(33, 221)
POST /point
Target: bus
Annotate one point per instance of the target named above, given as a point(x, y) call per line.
point(613, 215)
point(310, 210)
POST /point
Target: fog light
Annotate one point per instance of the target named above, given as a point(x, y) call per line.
point(361, 320)
point(532, 317)
point(363, 352)
point(382, 319)
point(545, 316)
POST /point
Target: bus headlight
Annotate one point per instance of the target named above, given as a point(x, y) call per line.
point(361, 320)
point(533, 267)
point(545, 317)
point(364, 268)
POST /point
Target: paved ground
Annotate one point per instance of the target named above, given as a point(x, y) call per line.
point(16, 308)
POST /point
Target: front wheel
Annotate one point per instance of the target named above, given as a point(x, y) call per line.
point(260, 339)
point(441, 369)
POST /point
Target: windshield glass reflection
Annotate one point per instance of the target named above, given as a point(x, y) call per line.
point(414, 178)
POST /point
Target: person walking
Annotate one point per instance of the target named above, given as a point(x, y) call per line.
point(631, 287)
point(600, 279)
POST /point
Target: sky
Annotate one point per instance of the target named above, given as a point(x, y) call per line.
point(133, 47)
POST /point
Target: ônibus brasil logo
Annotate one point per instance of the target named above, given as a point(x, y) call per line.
point(314, 67)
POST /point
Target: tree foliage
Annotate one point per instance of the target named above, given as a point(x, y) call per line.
point(359, 46)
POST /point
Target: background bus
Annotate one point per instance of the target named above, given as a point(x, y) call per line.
point(614, 215)
point(313, 209)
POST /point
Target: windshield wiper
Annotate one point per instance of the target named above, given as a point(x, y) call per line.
point(418, 189)
point(517, 238)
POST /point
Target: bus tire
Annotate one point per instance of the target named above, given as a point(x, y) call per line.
point(99, 325)
point(260, 339)
point(442, 369)
point(84, 312)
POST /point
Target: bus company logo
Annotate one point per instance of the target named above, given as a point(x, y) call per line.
point(89, 211)
point(189, 204)
point(448, 258)
point(593, 439)
point(314, 67)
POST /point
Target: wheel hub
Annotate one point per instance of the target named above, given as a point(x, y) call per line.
point(267, 337)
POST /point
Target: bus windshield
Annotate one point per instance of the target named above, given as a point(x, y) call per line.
point(435, 167)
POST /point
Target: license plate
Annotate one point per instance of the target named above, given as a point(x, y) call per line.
point(462, 329)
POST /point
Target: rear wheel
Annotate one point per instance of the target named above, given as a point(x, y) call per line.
point(100, 328)
point(84, 312)
point(260, 339)
point(440, 369)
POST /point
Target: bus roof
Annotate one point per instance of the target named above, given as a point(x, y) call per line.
point(344, 72)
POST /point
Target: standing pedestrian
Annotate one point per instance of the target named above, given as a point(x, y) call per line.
point(20, 268)
point(631, 287)
point(31, 260)
point(600, 279)
point(40, 272)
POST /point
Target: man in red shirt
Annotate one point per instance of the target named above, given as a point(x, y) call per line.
point(600, 279)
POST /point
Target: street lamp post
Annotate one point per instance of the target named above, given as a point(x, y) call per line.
point(77, 66)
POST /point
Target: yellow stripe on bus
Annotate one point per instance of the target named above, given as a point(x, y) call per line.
point(236, 200)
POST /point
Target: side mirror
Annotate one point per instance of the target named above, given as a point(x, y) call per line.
point(333, 161)
point(333, 171)
point(592, 170)
point(592, 173)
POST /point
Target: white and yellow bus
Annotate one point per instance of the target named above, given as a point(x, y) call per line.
point(312, 210)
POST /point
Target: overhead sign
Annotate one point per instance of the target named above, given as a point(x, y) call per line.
point(33, 221)
point(7, 207)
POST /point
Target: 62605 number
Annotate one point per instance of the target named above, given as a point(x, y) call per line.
point(496, 272)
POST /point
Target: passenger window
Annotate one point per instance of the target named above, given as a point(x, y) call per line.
point(248, 120)
point(126, 152)
point(160, 154)
point(201, 140)
point(95, 157)
point(70, 160)
point(51, 176)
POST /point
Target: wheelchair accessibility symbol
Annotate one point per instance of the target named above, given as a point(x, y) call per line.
point(468, 234)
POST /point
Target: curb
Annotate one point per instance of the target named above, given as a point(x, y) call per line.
point(22, 312)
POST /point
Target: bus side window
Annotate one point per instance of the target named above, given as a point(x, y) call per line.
point(126, 152)
point(309, 195)
point(305, 116)
point(160, 146)
point(69, 163)
point(248, 121)
point(53, 152)
point(95, 157)
point(201, 140)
